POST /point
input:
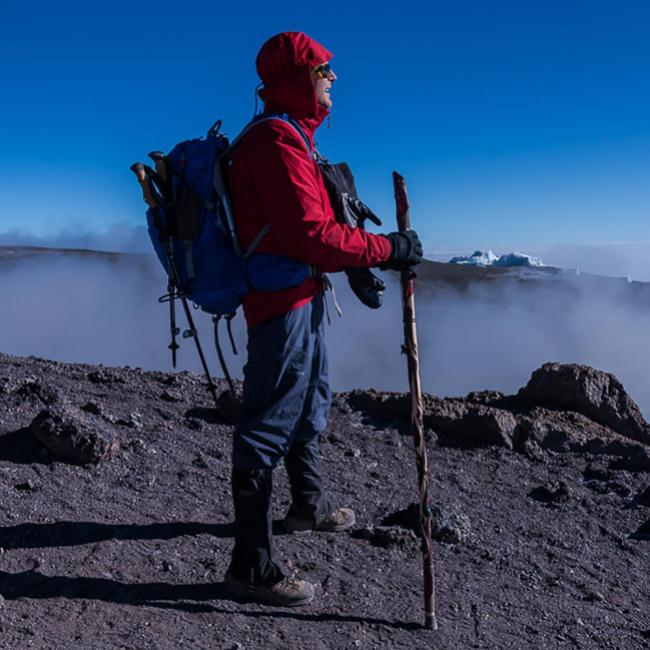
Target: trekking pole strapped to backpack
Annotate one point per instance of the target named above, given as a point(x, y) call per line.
point(191, 226)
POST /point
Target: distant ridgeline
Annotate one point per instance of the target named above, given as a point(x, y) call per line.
point(458, 274)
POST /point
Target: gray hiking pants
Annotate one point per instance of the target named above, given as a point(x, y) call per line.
point(286, 387)
point(285, 405)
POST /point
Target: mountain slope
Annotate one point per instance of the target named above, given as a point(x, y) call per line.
point(533, 551)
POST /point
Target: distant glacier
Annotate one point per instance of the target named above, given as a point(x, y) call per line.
point(488, 258)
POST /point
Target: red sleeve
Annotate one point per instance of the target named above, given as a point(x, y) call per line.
point(296, 205)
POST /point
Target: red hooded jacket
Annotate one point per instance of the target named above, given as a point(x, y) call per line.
point(273, 180)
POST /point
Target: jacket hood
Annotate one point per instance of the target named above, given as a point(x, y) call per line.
point(284, 65)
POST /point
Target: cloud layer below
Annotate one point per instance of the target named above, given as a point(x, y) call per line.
point(101, 310)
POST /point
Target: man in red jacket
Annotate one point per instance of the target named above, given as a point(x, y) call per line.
point(281, 206)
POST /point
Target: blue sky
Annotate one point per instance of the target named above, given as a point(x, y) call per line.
point(516, 124)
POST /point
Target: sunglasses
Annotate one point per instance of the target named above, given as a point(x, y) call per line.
point(323, 71)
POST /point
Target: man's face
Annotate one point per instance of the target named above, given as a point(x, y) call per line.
point(323, 77)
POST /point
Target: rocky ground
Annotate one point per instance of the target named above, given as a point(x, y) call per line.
point(115, 517)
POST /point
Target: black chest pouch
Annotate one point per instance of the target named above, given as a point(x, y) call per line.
point(351, 211)
point(342, 191)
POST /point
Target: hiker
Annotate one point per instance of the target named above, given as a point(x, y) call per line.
point(273, 179)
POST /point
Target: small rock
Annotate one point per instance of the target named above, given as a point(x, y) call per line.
point(200, 461)
point(532, 450)
point(448, 525)
point(386, 536)
point(594, 596)
point(352, 453)
point(171, 396)
point(92, 407)
point(553, 493)
point(485, 396)
point(36, 389)
point(70, 434)
point(104, 376)
point(27, 486)
point(194, 423)
point(133, 421)
point(138, 445)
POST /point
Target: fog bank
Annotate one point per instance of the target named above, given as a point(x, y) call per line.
point(100, 310)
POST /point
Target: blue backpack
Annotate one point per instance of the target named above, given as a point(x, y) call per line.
point(192, 230)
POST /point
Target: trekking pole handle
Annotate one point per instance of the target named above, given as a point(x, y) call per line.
point(402, 203)
point(160, 161)
point(140, 172)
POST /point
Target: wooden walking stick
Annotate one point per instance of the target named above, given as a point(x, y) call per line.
point(410, 348)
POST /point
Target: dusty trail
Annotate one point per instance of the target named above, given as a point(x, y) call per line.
point(130, 552)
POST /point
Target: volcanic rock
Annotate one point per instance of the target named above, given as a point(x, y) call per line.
point(385, 536)
point(457, 422)
point(598, 395)
point(91, 544)
point(553, 493)
point(104, 376)
point(448, 525)
point(73, 435)
point(465, 424)
point(36, 389)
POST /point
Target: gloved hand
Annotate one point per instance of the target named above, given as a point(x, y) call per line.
point(406, 251)
point(362, 212)
point(366, 286)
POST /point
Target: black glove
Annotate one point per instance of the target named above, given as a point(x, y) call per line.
point(406, 251)
point(367, 287)
point(362, 212)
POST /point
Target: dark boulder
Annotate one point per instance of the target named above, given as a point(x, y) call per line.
point(74, 435)
point(465, 424)
point(458, 422)
point(596, 394)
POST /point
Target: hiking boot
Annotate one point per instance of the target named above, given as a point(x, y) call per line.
point(289, 592)
point(339, 519)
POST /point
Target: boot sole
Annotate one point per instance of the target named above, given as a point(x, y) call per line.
point(250, 596)
point(298, 529)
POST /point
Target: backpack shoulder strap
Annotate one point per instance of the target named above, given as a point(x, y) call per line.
point(219, 184)
point(281, 117)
